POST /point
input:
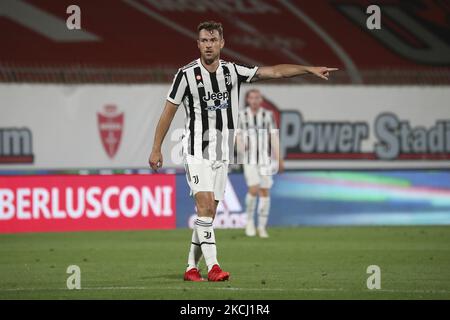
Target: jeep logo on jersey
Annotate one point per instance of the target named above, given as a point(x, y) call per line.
point(110, 125)
point(216, 96)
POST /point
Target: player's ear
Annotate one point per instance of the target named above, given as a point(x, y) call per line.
point(222, 43)
point(198, 43)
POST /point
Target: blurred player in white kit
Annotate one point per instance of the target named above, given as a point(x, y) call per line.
point(261, 160)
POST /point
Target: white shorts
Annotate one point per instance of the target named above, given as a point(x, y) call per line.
point(206, 175)
point(258, 176)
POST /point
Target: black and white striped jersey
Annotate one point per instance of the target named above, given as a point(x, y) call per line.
point(257, 138)
point(211, 103)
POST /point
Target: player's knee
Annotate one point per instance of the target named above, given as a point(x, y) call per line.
point(263, 192)
point(253, 190)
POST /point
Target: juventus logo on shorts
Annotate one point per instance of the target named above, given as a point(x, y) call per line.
point(208, 235)
point(195, 179)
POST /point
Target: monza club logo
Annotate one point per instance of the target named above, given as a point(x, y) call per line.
point(110, 124)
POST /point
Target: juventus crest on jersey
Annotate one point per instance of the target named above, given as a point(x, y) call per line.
point(211, 103)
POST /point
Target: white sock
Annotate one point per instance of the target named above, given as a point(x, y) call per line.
point(250, 204)
point(263, 211)
point(195, 252)
point(205, 233)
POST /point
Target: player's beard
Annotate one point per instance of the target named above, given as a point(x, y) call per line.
point(210, 59)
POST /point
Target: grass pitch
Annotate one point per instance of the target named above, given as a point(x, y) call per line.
point(294, 263)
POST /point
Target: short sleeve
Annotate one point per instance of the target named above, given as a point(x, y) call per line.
point(178, 88)
point(245, 73)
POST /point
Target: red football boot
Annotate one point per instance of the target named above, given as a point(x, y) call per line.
point(193, 275)
point(216, 274)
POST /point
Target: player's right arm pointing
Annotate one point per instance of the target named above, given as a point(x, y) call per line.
point(290, 70)
point(156, 160)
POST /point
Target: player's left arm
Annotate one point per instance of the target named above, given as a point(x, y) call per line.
point(278, 157)
point(280, 71)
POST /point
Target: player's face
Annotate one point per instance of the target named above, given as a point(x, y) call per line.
point(254, 100)
point(210, 43)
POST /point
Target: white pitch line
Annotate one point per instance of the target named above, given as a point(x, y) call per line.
point(64, 289)
point(171, 288)
point(228, 289)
